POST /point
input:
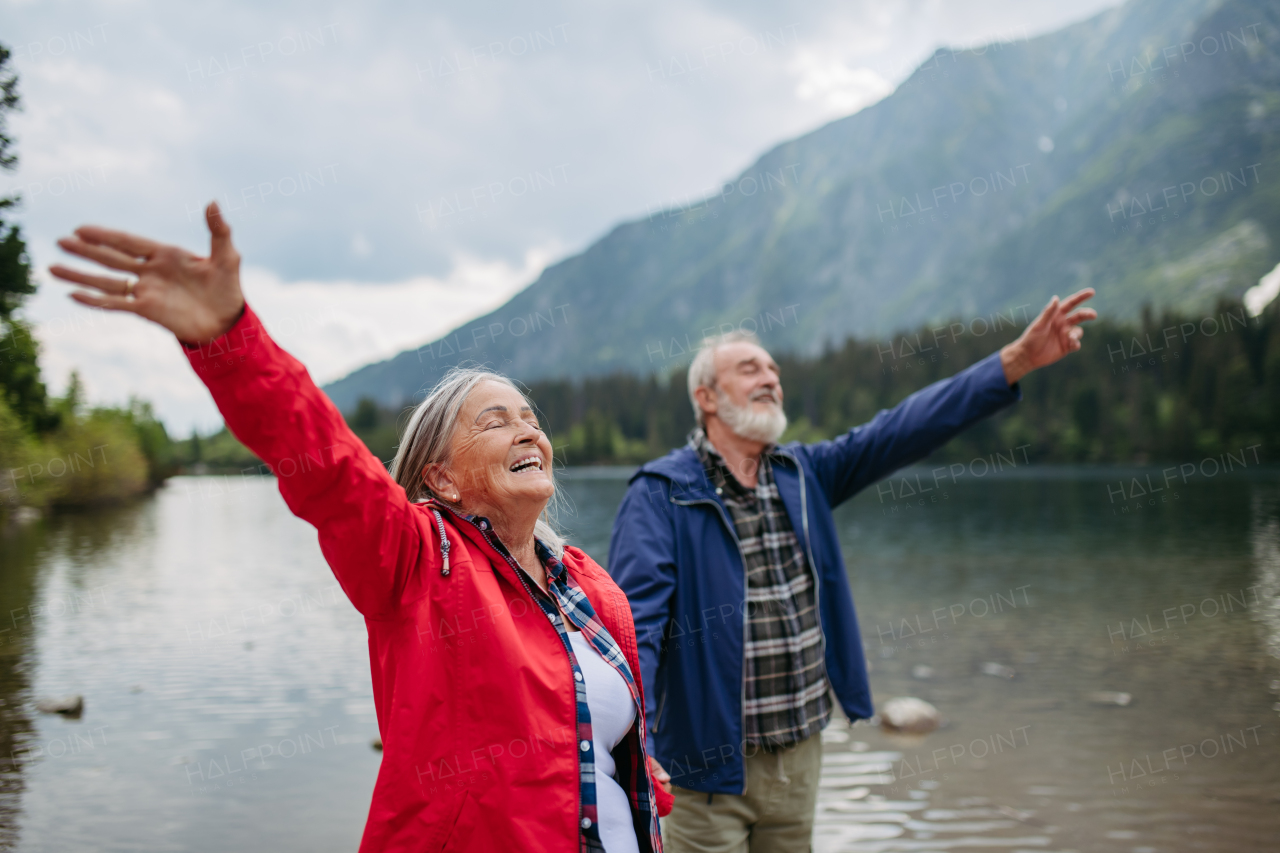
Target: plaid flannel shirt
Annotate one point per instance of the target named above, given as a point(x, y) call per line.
point(630, 755)
point(787, 698)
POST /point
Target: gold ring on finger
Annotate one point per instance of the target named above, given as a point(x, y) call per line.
point(128, 289)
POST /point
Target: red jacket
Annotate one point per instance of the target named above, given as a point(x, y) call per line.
point(472, 685)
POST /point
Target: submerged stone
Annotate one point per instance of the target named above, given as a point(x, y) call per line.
point(909, 715)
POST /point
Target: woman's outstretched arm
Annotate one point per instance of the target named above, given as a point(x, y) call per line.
point(369, 532)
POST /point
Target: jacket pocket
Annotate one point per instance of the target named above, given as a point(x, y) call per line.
point(657, 715)
point(463, 826)
point(443, 822)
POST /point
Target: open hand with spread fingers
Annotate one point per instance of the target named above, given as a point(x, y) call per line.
point(1050, 336)
point(196, 298)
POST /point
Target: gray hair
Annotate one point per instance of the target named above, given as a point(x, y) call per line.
point(428, 438)
point(702, 372)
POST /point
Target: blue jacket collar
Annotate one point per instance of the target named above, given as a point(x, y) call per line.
point(684, 469)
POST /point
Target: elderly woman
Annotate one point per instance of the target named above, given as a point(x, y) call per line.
point(504, 662)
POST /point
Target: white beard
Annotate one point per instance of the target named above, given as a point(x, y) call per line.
point(749, 423)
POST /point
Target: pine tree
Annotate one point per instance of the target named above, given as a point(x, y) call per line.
point(20, 386)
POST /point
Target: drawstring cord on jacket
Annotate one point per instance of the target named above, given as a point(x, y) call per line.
point(444, 543)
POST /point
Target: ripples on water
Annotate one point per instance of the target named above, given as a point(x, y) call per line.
point(228, 703)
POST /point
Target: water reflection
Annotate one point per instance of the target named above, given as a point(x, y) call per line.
point(1266, 557)
point(227, 692)
point(1166, 605)
point(19, 562)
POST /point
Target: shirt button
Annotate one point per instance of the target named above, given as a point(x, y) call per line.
point(577, 676)
point(585, 745)
point(719, 490)
point(586, 823)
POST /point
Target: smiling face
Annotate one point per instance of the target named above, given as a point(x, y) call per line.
point(499, 461)
point(747, 397)
point(748, 377)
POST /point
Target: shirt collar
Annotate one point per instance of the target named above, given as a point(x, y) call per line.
point(551, 563)
point(718, 471)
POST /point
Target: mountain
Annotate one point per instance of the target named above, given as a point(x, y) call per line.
point(1133, 152)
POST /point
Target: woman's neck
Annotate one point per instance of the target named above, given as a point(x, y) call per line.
point(516, 533)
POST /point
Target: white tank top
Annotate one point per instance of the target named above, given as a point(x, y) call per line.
point(612, 713)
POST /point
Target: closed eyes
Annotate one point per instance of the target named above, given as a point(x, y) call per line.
point(504, 423)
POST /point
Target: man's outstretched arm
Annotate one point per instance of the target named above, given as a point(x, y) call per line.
point(934, 415)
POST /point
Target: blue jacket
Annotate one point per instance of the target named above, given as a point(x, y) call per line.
point(675, 554)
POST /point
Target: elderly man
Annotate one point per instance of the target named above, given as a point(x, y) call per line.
point(728, 552)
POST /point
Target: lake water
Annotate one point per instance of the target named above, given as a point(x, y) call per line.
point(228, 703)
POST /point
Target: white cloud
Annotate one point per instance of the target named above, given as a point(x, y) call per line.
point(336, 327)
point(841, 89)
point(1258, 297)
point(331, 327)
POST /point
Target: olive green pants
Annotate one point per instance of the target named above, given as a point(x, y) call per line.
point(775, 815)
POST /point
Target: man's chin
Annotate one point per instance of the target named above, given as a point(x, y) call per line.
point(759, 420)
point(762, 430)
point(766, 437)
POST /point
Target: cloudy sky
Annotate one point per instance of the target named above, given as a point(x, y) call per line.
point(392, 170)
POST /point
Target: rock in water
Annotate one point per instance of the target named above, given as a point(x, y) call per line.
point(999, 670)
point(70, 706)
point(1110, 697)
point(909, 715)
point(26, 515)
